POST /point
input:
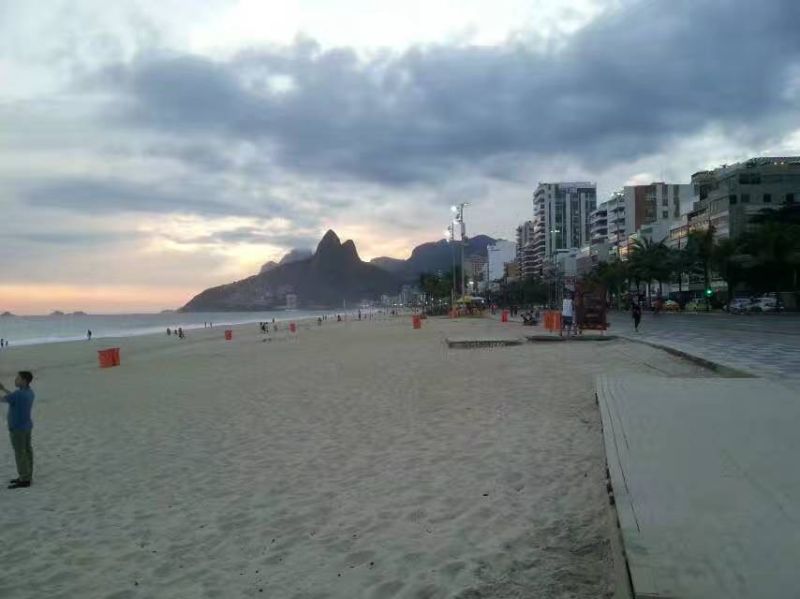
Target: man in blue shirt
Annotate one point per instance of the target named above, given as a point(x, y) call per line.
point(20, 426)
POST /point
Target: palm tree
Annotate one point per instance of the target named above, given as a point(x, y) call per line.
point(612, 275)
point(727, 259)
point(680, 262)
point(650, 260)
point(774, 251)
point(774, 244)
point(700, 247)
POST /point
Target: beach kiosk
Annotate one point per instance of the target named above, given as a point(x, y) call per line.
point(471, 305)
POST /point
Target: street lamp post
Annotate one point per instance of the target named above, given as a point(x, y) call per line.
point(554, 263)
point(450, 233)
point(458, 210)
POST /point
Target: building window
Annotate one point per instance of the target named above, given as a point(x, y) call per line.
point(750, 178)
point(665, 201)
point(665, 214)
point(732, 199)
point(745, 198)
point(767, 198)
point(790, 198)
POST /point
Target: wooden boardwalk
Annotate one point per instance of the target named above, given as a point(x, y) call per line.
point(706, 482)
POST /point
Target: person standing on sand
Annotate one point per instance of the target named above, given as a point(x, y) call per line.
point(20, 426)
point(89, 335)
point(636, 312)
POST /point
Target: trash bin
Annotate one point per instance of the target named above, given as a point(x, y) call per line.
point(292, 327)
point(228, 335)
point(504, 316)
point(417, 321)
point(108, 357)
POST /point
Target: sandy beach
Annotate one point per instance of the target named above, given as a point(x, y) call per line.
point(358, 459)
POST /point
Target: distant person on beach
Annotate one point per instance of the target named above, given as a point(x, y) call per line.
point(636, 312)
point(567, 313)
point(20, 426)
point(180, 332)
point(169, 331)
point(2, 343)
point(89, 335)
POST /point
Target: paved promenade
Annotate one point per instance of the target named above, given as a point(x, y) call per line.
point(706, 488)
point(765, 345)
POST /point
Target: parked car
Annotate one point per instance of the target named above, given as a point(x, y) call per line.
point(766, 303)
point(740, 305)
point(695, 306)
point(671, 306)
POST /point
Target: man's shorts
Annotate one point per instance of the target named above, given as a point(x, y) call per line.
point(567, 321)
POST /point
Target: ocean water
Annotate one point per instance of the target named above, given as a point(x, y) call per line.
point(34, 330)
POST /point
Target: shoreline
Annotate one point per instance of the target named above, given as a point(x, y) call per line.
point(39, 341)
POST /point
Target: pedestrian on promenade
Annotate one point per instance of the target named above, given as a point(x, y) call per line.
point(636, 312)
point(567, 313)
point(20, 426)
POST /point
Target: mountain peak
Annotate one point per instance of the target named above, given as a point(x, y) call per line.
point(349, 249)
point(329, 241)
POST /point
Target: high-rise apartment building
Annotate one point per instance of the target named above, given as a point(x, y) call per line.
point(561, 219)
point(658, 205)
point(524, 249)
point(729, 196)
point(499, 253)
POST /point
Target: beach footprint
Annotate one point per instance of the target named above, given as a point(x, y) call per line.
point(386, 590)
point(359, 557)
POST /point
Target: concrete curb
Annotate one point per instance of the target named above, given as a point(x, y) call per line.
point(726, 371)
point(479, 343)
point(576, 338)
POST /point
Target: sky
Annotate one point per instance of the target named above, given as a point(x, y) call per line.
point(150, 149)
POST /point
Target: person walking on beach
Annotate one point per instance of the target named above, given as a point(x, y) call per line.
point(636, 312)
point(89, 335)
point(20, 426)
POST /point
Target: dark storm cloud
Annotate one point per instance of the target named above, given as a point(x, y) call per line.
point(625, 86)
point(202, 156)
point(250, 235)
point(112, 196)
point(84, 238)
